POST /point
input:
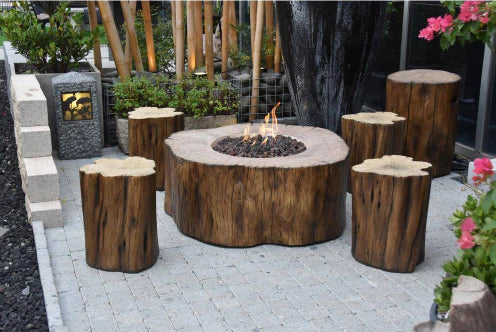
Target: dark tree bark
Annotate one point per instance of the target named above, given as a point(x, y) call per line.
point(328, 48)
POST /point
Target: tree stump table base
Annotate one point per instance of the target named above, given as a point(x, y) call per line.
point(389, 212)
point(119, 212)
point(241, 202)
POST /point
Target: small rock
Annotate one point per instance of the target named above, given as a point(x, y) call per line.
point(25, 291)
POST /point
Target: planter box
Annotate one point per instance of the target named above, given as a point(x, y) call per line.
point(205, 122)
point(15, 61)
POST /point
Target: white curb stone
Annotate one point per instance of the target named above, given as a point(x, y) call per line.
point(34, 141)
point(40, 179)
point(50, 212)
point(29, 102)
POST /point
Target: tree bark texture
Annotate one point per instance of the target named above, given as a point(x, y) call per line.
point(256, 53)
point(225, 39)
point(93, 25)
point(429, 101)
point(119, 214)
point(148, 128)
point(150, 45)
point(190, 34)
point(389, 212)
point(242, 202)
point(372, 135)
point(209, 39)
point(336, 43)
point(198, 33)
point(179, 7)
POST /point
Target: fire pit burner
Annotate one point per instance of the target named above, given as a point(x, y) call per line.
point(259, 146)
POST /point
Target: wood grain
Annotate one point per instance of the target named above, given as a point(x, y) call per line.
point(429, 101)
point(389, 212)
point(242, 202)
point(120, 227)
point(148, 128)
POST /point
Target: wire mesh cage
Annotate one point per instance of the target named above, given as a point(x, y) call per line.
point(109, 119)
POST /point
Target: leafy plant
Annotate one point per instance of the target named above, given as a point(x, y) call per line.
point(192, 96)
point(243, 59)
point(56, 47)
point(475, 228)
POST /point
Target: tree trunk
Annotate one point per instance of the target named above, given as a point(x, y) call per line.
point(277, 53)
point(150, 46)
point(133, 40)
point(180, 39)
point(225, 39)
point(269, 23)
point(209, 40)
point(253, 25)
point(389, 212)
point(119, 212)
point(429, 101)
point(256, 61)
point(336, 43)
point(113, 38)
point(198, 33)
point(233, 35)
point(127, 49)
point(173, 14)
point(148, 128)
point(372, 135)
point(190, 32)
point(97, 56)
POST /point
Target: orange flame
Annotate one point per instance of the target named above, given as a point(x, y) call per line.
point(264, 127)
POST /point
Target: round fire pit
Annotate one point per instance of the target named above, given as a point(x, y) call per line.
point(241, 201)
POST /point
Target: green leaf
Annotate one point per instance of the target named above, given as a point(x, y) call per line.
point(490, 225)
point(492, 253)
point(487, 202)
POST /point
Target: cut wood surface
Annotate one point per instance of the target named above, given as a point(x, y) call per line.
point(389, 212)
point(428, 99)
point(240, 202)
point(148, 128)
point(120, 225)
point(372, 135)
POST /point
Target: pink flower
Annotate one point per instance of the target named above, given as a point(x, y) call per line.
point(434, 23)
point(484, 18)
point(466, 240)
point(468, 225)
point(469, 11)
point(483, 166)
point(426, 33)
point(446, 22)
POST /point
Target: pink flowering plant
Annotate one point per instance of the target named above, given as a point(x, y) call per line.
point(475, 228)
point(466, 21)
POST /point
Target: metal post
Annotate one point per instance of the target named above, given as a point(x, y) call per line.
point(404, 34)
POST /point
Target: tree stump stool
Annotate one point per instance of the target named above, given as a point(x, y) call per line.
point(148, 128)
point(372, 135)
point(429, 101)
point(389, 212)
point(120, 224)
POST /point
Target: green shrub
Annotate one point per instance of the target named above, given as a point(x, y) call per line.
point(56, 47)
point(192, 96)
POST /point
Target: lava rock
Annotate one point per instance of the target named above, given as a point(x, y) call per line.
point(259, 146)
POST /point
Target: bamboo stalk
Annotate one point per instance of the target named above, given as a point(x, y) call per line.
point(113, 37)
point(173, 14)
point(97, 56)
point(209, 39)
point(269, 23)
point(198, 34)
point(190, 32)
point(256, 61)
point(225, 39)
point(150, 46)
point(277, 52)
point(253, 24)
point(180, 39)
point(233, 35)
point(127, 51)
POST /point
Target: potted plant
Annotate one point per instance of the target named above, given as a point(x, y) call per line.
point(206, 104)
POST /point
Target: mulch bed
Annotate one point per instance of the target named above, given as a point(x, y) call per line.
point(259, 146)
point(22, 307)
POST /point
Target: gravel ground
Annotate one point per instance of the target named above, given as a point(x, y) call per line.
point(22, 307)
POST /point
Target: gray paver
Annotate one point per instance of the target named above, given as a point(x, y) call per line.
point(196, 286)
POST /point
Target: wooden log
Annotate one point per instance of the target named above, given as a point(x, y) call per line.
point(472, 307)
point(225, 39)
point(127, 47)
point(372, 135)
point(198, 34)
point(120, 223)
point(239, 202)
point(133, 40)
point(150, 45)
point(269, 24)
point(253, 24)
point(148, 128)
point(429, 101)
point(389, 212)
point(277, 53)
point(179, 39)
point(113, 38)
point(190, 36)
point(97, 56)
point(209, 39)
point(256, 62)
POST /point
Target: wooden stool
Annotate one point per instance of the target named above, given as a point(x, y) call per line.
point(429, 101)
point(119, 212)
point(372, 135)
point(390, 201)
point(148, 128)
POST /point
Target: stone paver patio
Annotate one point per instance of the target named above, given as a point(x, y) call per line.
point(199, 287)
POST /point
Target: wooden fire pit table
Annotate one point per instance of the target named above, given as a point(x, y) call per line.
point(239, 202)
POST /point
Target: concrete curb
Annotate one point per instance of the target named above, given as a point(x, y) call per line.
point(52, 306)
